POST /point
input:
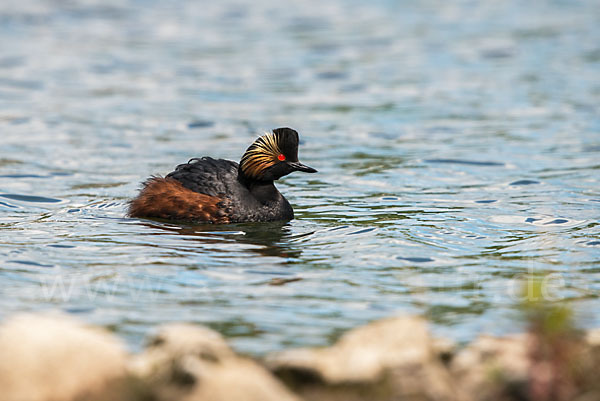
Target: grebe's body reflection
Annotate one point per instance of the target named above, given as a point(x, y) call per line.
point(269, 239)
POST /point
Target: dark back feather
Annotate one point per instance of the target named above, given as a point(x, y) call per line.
point(206, 175)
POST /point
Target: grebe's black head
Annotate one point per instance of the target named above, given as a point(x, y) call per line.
point(272, 156)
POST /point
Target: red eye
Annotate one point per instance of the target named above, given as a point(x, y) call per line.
point(281, 157)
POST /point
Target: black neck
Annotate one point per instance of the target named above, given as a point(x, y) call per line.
point(263, 191)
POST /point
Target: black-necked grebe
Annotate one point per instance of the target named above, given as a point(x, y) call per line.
point(221, 191)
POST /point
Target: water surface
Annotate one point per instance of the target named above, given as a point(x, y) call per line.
point(457, 143)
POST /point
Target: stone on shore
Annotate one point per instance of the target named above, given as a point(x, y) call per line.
point(488, 365)
point(593, 338)
point(54, 357)
point(530, 367)
point(389, 359)
point(191, 363)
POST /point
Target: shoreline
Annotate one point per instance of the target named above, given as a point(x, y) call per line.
point(56, 357)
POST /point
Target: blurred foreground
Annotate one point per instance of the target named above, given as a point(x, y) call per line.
point(57, 358)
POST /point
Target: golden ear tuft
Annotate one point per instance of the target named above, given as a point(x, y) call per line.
point(262, 154)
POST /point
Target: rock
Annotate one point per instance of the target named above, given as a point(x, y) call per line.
point(593, 338)
point(185, 362)
point(386, 360)
point(530, 367)
point(54, 357)
point(444, 348)
point(489, 367)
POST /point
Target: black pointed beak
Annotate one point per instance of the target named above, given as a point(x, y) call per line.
point(297, 166)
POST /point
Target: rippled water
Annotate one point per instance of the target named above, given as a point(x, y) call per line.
point(457, 143)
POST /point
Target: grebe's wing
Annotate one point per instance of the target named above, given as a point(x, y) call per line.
point(206, 175)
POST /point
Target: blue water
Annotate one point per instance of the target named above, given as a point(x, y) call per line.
point(457, 143)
